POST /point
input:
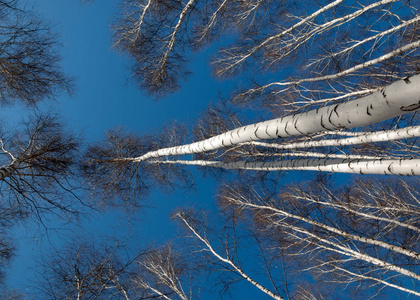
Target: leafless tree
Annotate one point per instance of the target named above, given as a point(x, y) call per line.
point(345, 87)
point(165, 274)
point(355, 48)
point(9, 216)
point(364, 237)
point(160, 36)
point(11, 294)
point(29, 63)
point(93, 269)
point(38, 172)
point(114, 178)
point(339, 64)
point(85, 269)
point(153, 34)
point(232, 253)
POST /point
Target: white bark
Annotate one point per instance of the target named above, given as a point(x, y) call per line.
point(308, 101)
point(228, 261)
point(407, 167)
point(298, 40)
point(8, 170)
point(141, 19)
point(361, 138)
point(307, 197)
point(212, 21)
point(133, 34)
point(278, 212)
point(168, 277)
point(295, 41)
point(146, 285)
point(171, 42)
point(319, 155)
point(380, 281)
point(304, 21)
point(397, 99)
point(347, 251)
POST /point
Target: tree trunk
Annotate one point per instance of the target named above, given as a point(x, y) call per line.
point(8, 170)
point(397, 99)
point(408, 167)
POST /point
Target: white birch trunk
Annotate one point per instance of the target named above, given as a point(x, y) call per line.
point(381, 281)
point(397, 99)
point(8, 170)
point(279, 212)
point(357, 212)
point(171, 42)
point(371, 137)
point(345, 250)
point(408, 167)
point(228, 261)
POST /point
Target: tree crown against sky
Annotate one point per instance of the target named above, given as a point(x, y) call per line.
point(29, 59)
point(319, 52)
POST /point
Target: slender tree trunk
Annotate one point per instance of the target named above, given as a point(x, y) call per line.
point(347, 251)
point(228, 261)
point(408, 167)
point(378, 280)
point(171, 42)
point(278, 212)
point(397, 99)
point(371, 137)
point(8, 170)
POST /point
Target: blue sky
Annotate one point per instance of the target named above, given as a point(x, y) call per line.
point(105, 97)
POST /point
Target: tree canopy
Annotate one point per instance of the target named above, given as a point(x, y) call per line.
point(318, 89)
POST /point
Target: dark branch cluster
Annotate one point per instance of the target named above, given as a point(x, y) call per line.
point(83, 269)
point(147, 31)
point(115, 176)
point(44, 154)
point(29, 63)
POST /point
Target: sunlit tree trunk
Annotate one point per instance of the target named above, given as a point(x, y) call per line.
point(360, 138)
point(406, 167)
point(352, 225)
point(226, 260)
point(397, 99)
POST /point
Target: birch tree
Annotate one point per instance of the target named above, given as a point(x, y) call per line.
point(114, 181)
point(38, 167)
point(379, 106)
point(30, 68)
point(365, 236)
point(9, 216)
point(85, 270)
point(95, 269)
point(165, 273)
point(355, 47)
point(146, 26)
point(338, 65)
point(222, 248)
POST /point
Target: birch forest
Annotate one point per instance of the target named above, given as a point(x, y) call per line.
point(308, 153)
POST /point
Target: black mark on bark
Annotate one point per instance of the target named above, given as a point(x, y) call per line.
point(383, 93)
point(410, 107)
